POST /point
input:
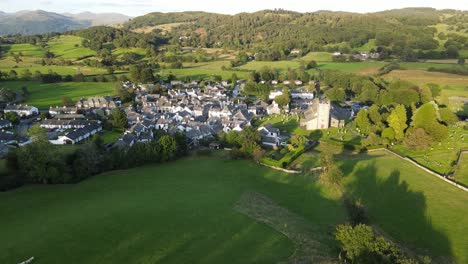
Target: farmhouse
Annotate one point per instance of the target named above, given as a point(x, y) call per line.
point(21, 110)
point(270, 135)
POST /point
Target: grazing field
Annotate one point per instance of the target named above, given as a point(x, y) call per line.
point(184, 211)
point(422, 77)
point(25, 50)
point(45, 95)
point(204, 70)
point(33, 64)
point(164, 27)
point(441, 156)
point(120, 51)
point(69, 47)
point(371, 44)
point(409, 204)
point(317, 56)
point(461, 174)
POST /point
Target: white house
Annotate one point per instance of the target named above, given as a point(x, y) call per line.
point(273, 94)
point(21, 110)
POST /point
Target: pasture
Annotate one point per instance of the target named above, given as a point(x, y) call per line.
point(441, 156)
point(45, 95)
point(184, 212)
point(461, 174)
point(69, 47)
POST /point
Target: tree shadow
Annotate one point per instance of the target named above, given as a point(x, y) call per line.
point(398, 211)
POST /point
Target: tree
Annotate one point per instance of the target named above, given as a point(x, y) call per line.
point(435, 89)
point(331, 173)
point(249, 139)
point(67, 101)
point(232, 138)
point(388, 133)
point(374, 115)
point(13, 117)
point(335, 94)
point(40, 162)
point(417, 139)
point(26, 75)
point(448, 117)
point(234, 79)
point(176, 65)
point(168, 147)
point(141, 73)
point(425, 94)
point(7, 95)
point(452, 52)
point(36, 132)
point(125, 95)
point(397, 121)
point(283, 99)
point(426, 118)
point(362, 122)
point(311, 65)
point(361, 245)
point(119, 118)
point(298, 140)
point(86, 162)
point(372, 140)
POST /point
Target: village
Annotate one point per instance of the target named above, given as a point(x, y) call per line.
point(200, 111)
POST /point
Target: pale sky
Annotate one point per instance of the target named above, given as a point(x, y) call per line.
point(140, 7)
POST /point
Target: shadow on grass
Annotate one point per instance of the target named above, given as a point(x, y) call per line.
point(398, 210)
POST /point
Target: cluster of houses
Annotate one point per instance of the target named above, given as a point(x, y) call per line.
point(361, 56)
point(200, 112)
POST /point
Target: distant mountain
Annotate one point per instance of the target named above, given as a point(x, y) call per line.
point(103, 19)
point(39, 21)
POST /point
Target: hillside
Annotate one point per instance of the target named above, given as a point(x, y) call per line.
point(36, 22)
point(281, 29)
point(39, 21)
point(100, 19)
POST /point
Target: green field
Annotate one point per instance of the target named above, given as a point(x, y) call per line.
point(440, 156)
point(411, 205)
point(461, 175)
point(183, 212)
point(69, 47)
point(24, 49)
point(203, 70)
point(110, 136)
point(316, 56)
point(45, 95)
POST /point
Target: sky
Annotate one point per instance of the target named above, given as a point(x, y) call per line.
point(141, 7)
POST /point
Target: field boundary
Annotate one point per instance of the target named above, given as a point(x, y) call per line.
point(280, 169)
point(440, 176)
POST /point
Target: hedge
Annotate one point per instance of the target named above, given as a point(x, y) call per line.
point(286, 159)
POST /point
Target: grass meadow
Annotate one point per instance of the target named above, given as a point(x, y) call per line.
point(184, 212)
point(45, 95)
